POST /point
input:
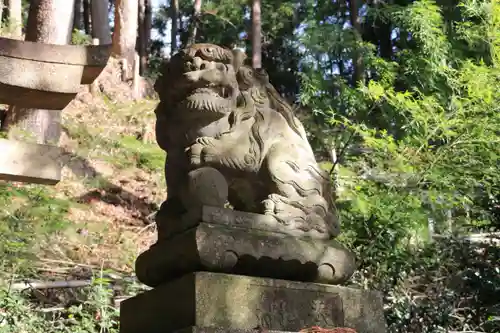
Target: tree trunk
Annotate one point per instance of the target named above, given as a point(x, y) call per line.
point(145, 22)
point(100, 21)
point(195, 22)
point(357, 75)
point(86, 16)
point(174, 11)
point(1, 13)
point(125, 31)
point(383, 30)
point(256, 35)
point(148, 25)
point(49, 21)
point(377, 30)
point(14, 16)
point(78, 19)
point(142, 41)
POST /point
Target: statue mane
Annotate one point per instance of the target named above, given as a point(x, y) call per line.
point(276, 102)
point(279, 104)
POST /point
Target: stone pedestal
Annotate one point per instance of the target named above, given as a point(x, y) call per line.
point(227, 241)
point(212, 302)
point(263, 275)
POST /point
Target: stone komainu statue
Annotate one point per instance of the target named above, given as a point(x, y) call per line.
point(216, 112)
point(230, 138)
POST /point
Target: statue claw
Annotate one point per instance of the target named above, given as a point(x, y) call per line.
point(205, 141)
point(195, 160)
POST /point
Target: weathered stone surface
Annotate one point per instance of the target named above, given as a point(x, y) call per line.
point(216, 112)
point(231, 218)
point(211, 300)
point(225, 330)
point(38, 75)
point(90, 55)
point(244, 250)
point(205, 186)
point(28, 162)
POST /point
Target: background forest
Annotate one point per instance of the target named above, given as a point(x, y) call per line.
point(401, 100)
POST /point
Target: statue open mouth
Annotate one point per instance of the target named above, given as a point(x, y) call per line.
point(207, 100)
point(204, 95)
point(211, 92)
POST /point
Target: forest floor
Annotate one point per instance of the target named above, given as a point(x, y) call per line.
point(100, 216)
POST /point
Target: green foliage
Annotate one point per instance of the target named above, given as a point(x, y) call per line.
point(29, 216)
point(418, 136)
point(80, 38)
point(449, 285)
point(227, 22)
point(146, 156)
point(426, 123)
point(7, 28)
point(93, 312)
point(123, 151)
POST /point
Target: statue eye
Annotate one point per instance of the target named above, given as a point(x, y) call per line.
point(248, 72)
point(208, 50)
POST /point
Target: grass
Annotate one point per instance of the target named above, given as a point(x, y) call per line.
point(82, 224)
point(146, 156)
point(95, 314)
point(29, 215)
point(112, 136)
point(122, 152)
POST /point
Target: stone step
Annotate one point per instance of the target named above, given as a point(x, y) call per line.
point(29, 163)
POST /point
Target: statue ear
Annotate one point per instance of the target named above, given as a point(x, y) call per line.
point(261, 72)
point(239, 58)
point(244, 111)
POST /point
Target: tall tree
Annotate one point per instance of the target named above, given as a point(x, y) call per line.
point(78, 19)
point(14, 16)
point(49, 21)
point(256, 34)
point(195, 22)
point(356, 24)
point(86, 16)
point(125, 30)
point(174, 14)
point(148, 22)
point(142, 41)
point(100, 21)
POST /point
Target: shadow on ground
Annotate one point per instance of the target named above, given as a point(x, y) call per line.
point(107, 192)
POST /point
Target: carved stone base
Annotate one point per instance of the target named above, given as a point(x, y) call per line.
point(238, 250)
point(230, 218)
point(223, 330)
point(212, 302)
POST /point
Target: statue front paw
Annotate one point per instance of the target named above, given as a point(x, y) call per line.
point(195, 160)
point(194, 154)
point(268, 206)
